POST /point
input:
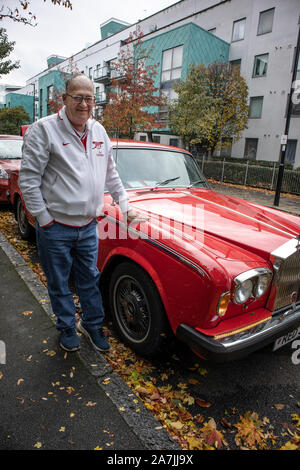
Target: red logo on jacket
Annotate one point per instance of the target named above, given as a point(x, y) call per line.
point(97, 145)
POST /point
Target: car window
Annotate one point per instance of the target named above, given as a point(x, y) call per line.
point(10, 149)
point(140, 168)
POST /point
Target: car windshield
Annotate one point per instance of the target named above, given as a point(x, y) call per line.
point(146, 167)
point(10, 149)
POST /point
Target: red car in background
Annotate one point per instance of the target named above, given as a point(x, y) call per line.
point(221, 273)
point(10, 160)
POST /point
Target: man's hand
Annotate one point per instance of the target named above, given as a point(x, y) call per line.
point(134, 217)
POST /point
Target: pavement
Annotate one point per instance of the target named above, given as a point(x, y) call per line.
point(53, 400)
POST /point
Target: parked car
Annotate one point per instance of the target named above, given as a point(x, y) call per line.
point(221, 273)
point(10, 160)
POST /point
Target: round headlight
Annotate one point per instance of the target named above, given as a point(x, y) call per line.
point(243, 291)
point(261, 285)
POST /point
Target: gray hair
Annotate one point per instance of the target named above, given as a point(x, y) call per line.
point(70, 80)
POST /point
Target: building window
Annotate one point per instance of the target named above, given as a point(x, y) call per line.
point(290, 152)
point(255, 108)
point(238, 30)
point(265, 23)
point(174, 142)
point(260, 65)
point(250, 149)
point(171, 64)
point(235, 64)
point(143, 138)
point(91, 73)
point(156, 139)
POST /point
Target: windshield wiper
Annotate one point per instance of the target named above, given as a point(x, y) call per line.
point(163, 183)
point(196, 182)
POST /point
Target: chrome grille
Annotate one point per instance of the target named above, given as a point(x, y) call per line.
point(287, 281)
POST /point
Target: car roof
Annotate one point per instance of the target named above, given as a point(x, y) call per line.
point(10, 137)
point(141, 144)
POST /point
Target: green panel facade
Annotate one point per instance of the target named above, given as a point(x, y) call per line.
point(48, 83)
point(199, 47)
point(111, 28)
point(16, 99)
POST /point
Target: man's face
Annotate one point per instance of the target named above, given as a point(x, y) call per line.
point(79, 113)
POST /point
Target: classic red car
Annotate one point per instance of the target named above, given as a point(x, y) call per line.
point(223, 274)
point(10, 160)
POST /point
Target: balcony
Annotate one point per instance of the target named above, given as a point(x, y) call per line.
point(102, 75)
point(101, 98)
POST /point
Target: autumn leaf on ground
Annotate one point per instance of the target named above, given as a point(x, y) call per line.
point(279, 406)
point(38, 445)
point(296, 419)
point(202, 403)
point(250, 432)
point(27, 312)
point(293, 444)
point(211, 435)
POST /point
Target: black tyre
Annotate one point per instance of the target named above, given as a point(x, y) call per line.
point(136, 309)
point(25, 229)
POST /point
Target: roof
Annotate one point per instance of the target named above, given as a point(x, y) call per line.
point(10, 137)
point(141, 144)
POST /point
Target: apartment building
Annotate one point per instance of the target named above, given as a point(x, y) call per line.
point(258, 36)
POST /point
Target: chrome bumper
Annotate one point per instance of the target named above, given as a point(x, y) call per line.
point(237, 345)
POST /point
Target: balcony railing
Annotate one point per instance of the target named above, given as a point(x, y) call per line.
point(102, 73)
point(106, 73)
point(101, 97)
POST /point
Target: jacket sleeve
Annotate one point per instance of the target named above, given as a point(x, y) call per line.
point(114, 183)
point(35, 157)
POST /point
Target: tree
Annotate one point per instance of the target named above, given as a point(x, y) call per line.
point(16, 14)
point(11, 119)
point(132, 91)
point(211, 109)
point(6, 47)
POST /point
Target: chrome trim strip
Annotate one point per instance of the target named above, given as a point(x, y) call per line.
point(264, 329)
point(161, 245)
point(239, 213)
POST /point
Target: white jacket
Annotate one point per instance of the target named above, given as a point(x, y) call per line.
point(61, 180)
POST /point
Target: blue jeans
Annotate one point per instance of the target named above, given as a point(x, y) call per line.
point(63, 249)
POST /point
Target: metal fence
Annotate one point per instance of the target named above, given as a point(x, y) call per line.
point(250, 174)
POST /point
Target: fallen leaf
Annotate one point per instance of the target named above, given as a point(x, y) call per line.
point(20, 381)
point(27, 312)
point(193, 381)
point(279, 406)
point(211, 435)
point(202, 403)
point(177, 425)
point(90, 403)
point(62, 429)
point(38, 445)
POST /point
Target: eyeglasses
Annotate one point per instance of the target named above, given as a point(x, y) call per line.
point(79, 99)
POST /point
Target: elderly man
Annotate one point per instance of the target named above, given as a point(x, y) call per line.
point(62, 180)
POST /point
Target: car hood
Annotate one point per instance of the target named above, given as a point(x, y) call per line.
point(11, 165)
point(230, 228)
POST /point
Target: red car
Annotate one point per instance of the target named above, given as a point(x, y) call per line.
point(222, 273)
point(10, 160)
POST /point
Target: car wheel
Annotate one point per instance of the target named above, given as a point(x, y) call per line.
point(25, 229)
point(136, 309)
